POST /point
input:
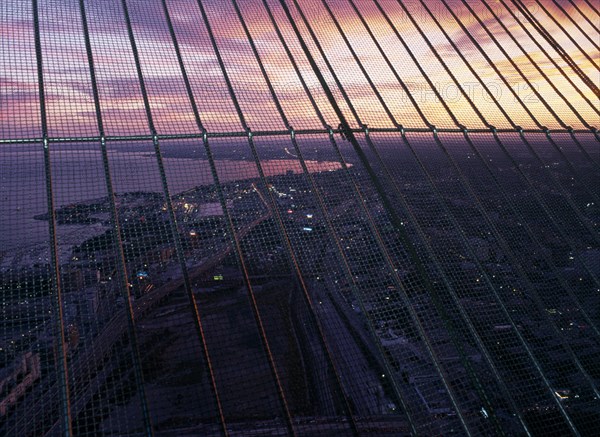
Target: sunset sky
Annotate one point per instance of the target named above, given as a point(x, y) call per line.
point(70, 100)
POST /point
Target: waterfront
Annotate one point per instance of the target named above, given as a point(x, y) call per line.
point(489, 257)
point(76, 172)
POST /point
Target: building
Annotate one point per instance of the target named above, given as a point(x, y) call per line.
point(299, 217)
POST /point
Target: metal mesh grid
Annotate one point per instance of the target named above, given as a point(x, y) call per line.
point(299, 217)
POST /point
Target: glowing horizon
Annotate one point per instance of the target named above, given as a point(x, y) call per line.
point(68, 88)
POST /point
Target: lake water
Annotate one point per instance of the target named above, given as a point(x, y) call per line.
point(78, 175)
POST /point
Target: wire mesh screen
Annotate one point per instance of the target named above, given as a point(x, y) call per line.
point(299, 217)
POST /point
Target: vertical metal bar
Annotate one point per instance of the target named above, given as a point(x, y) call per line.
point(358, 62)
point(567, 198)
point(574, 207)
point(505, 81)
point(471, 192)
point(585, 17)
point(594, 107)
point(173, 219)
point(501, 240)
point(576, 24)
point(315, 68)
point(582, 219)
point(418, 65)
point(538, 69)
point(469, 323)
point(524, 277)
point(331, 229)
point(210, 156)
point(491, 287)
point(395, 220)
point(283, 233)
point(552, 41)
point(423, 239)
point(592, 7)
point(392, 68)
point(116, 229)
point(464, 240)
point(504, 245)
point(196, 313)
point(254, 304)
point(509, 119)
point(61, 359)
point(567, 289)
point(405, 240)
point(273, 208)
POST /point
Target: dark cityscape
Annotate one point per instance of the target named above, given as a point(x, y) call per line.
point(299, 217)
